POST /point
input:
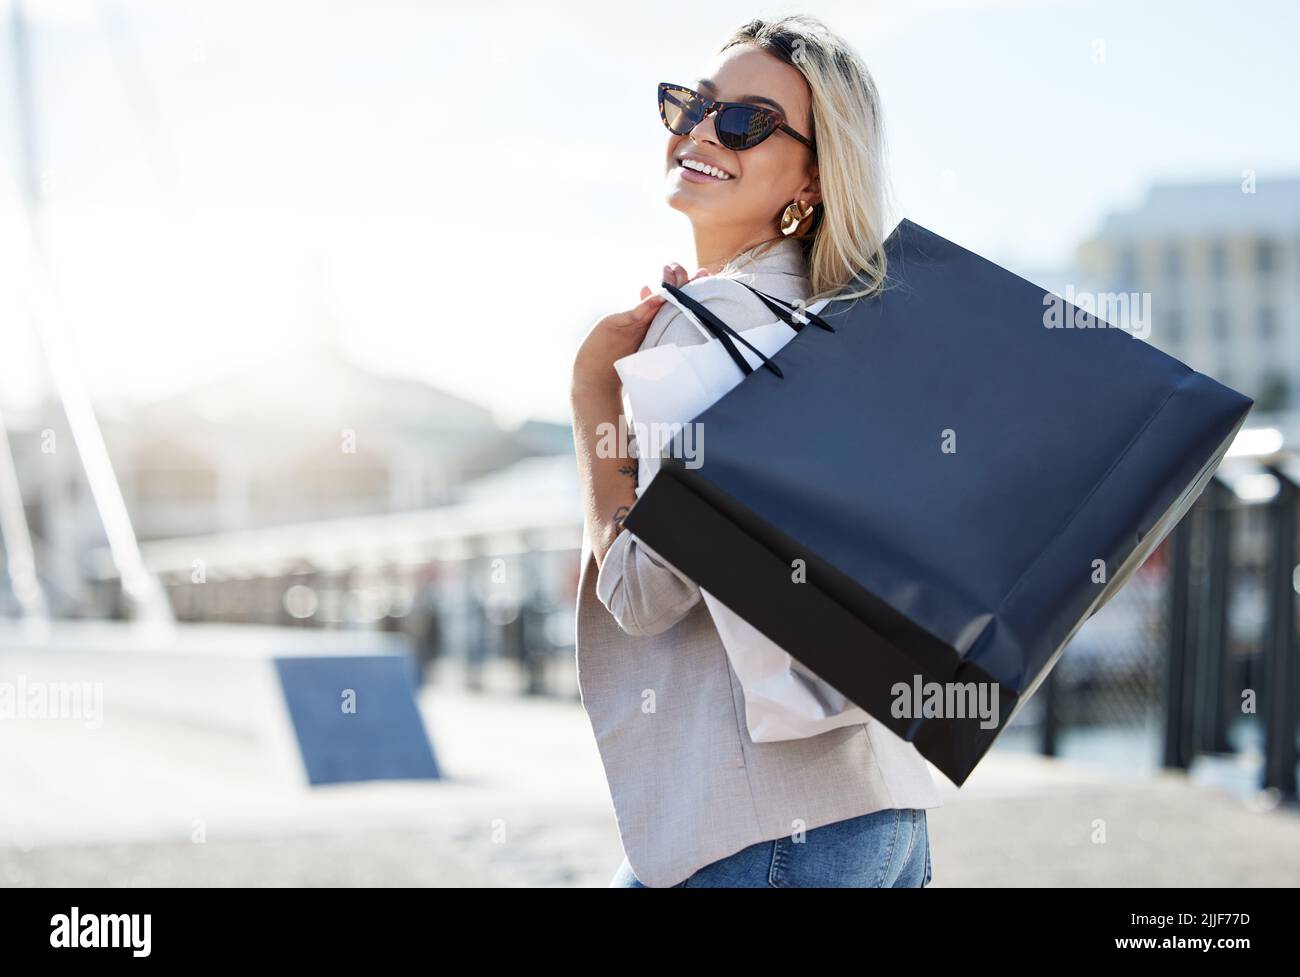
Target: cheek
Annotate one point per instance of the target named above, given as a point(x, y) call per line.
point(767, 176)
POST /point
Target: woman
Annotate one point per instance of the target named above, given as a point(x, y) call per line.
point(782, 191)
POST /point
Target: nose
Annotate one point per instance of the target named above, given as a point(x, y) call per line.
point(705, 130)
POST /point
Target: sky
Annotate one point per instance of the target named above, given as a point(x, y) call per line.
point(464, 189)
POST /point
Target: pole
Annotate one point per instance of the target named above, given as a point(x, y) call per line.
point(141, 587)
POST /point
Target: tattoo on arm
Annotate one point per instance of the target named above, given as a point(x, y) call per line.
point(629, 468)
point(620, 514)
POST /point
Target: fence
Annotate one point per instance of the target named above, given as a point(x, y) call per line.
point(1195, 656)
point(1198, 652)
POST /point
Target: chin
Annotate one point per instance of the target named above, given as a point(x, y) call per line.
point(683, 201)
point(675, 200)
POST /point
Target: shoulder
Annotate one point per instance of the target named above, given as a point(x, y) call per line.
point(725, 297)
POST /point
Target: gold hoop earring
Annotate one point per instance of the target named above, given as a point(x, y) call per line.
point(794, 215)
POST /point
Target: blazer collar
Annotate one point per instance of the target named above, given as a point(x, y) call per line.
point(783, 258)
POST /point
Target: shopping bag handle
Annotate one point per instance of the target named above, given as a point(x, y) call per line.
point(724, 333)
point(792, 315)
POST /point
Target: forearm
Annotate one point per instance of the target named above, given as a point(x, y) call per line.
point(642, 591)
point(608, 483)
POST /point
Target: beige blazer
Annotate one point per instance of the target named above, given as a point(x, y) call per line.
point(688, 785)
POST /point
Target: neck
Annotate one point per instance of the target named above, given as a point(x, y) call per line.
point(714, 247)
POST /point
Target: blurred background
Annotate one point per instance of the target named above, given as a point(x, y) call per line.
point(288, 296)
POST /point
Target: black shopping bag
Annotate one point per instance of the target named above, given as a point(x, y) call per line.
point(923, 503)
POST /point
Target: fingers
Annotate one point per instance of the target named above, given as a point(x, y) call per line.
point(641, 313)
point(650, 305)
point(677, 276)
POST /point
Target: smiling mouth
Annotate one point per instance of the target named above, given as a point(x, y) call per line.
point(704, 171)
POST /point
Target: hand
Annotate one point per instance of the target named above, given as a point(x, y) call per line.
point(620, 334)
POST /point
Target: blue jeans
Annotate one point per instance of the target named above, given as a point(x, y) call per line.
point(885, 849)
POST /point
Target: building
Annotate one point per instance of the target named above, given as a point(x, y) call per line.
point(308, 439)
point(1221, 265)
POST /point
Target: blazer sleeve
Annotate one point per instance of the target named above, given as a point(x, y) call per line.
point(646, 594)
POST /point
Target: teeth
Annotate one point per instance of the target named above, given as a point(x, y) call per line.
point(713, 171)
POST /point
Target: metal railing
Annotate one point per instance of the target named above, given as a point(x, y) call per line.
point(1197, 656)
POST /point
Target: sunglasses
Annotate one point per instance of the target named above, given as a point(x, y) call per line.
point(739, 125)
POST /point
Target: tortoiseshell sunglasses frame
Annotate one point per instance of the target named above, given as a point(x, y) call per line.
point(710, 106)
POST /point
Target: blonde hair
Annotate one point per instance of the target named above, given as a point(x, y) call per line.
point(844, 240)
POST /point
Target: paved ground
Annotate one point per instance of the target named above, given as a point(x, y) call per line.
point(525, 803)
